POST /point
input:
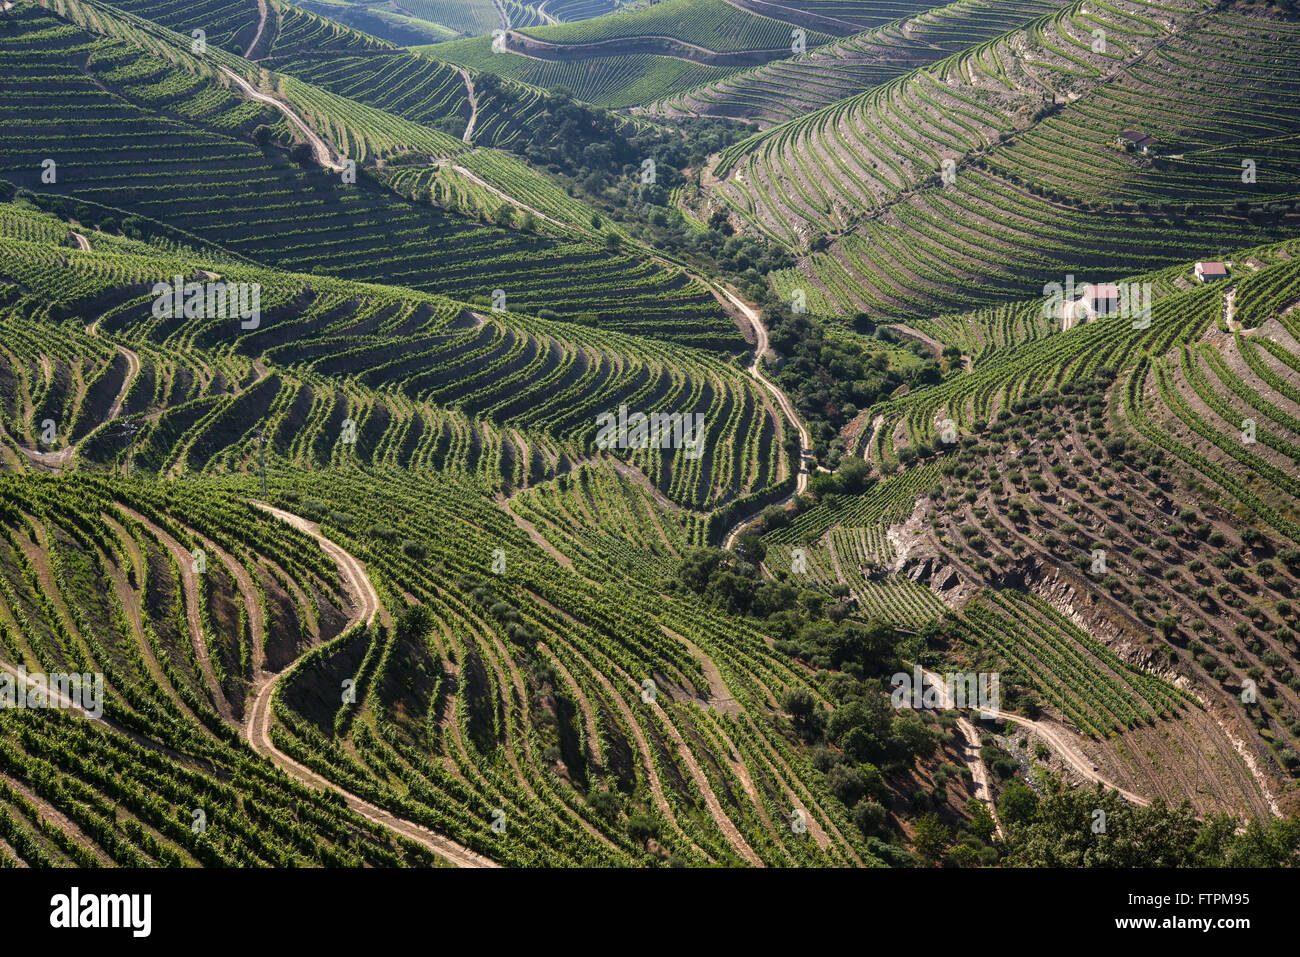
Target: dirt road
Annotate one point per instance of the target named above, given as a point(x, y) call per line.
point(871, 439)
point(261, 25)
point(258, 728)
point(473, 103)
point(323, 155)
point(480, 181)
point(132, 370)
point(353, 571)
point(979, 771)
point(132, 361)
point(907, 332)
point(51, 459)
point(782, 400)
point(64, 455)
point(63, 700)
point(1058, 740)
point(1230, 311)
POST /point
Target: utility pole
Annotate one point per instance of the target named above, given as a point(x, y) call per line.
point(131, 431)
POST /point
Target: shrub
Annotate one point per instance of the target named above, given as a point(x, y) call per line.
point(642, 827)
point(869, 816)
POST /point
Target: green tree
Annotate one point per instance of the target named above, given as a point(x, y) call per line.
point(642, 827)
point(846, 784)
point(1017, 804)
point(800, 704)
point(869, 816)
point(1095, 827)
point(981, 824)
point(913, 738)
point(930, 837)
point(414, 623)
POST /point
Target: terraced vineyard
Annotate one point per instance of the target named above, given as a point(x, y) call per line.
point(405, 463)
point(691, 54)
point(881, 51)
point(315, 223)
point(710, 24)
point(617, 80)
point(500, 378)
point(198, 397)
point(864, 177)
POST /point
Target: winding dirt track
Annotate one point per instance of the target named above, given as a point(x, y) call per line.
point(497, 191)
point(1059, 742)
point(64, 455)
point(876, 423)
point(1055, 738)
point(261, 25)
point(529, 529)
point(132, 370)
point(52, 459)
point(323, 155)
point(1230, 311)
point(979, 771)
point(473, 103)
point(258, 729)
point(63, 700)
point(60, 458)
point(132, 367)
point(916, 335)
point(782, 400)
point(82, 242)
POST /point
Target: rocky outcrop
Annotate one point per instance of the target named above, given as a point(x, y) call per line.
point(945, 580)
